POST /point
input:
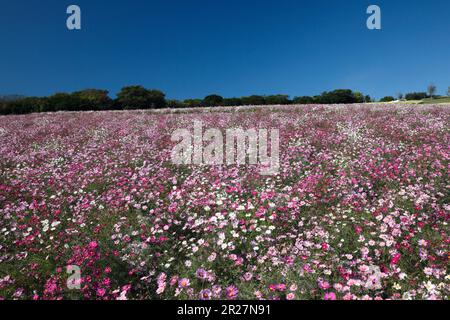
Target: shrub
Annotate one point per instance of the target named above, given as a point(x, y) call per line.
point(387, 99)
point(303, 100)
point(416, 96)
point(137, 97)
point(212, 100)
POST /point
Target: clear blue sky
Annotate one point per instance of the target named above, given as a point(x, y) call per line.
point(191, 48)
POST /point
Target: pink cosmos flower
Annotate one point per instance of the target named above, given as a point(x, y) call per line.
point(93, 245)
point(217, 291)
point(173, 280)
point(330, 296)
point(231, 292)
point(324, 285)
point(205, 294)
point(101, 292)
point(281, 287)
point(184, 283)
point(396, 258)
point(173, 207)
point(247, 276)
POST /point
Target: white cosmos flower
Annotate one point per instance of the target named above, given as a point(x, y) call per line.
point(55, 223)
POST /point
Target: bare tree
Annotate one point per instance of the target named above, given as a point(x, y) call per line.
point(431, 90)
point(399, 96)
point(448, 92)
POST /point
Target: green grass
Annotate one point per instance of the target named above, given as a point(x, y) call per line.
point(424, 101)
point(436, 100)
point(413, 101)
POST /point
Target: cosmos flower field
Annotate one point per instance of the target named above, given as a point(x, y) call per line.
point(359, 210)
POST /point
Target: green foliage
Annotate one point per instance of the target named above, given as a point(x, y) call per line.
point(416, 96)
point(90, 99)
point(192, 103)
point(253, 100)
point(359, 97)
point(340, 96)
point(94, 99)
point(212, 100)
point(387, 99)
point(277, 99)
point(303, 100)
point(63, 102)
point(137, 97)
point(22, 106)
point(232, 102)
point(175, 104)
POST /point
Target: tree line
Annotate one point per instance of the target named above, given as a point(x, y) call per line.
point(132, 97)
point(138, 97)
point(430, 93)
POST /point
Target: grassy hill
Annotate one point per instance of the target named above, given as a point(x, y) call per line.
point(436, 100)
point(425, 101)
